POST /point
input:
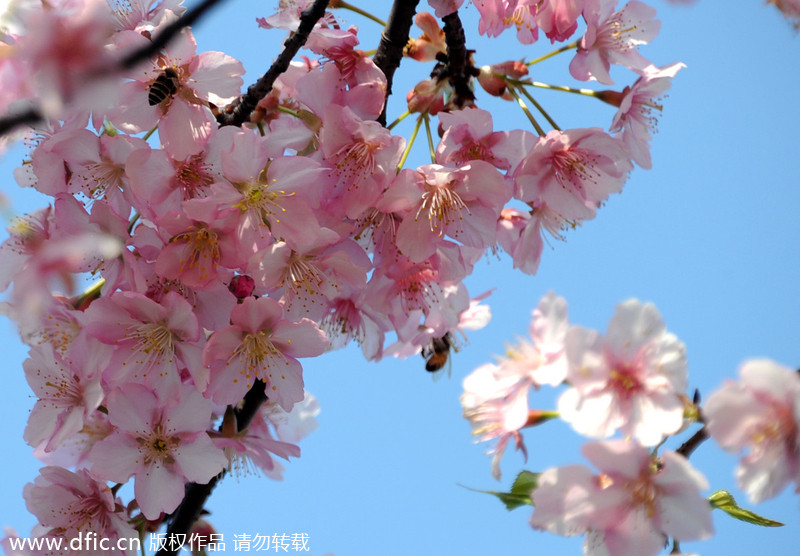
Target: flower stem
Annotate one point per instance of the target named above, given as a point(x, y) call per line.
point(285, 110)
point(430, 138)
point(539, 108)
point(536, 126)
point(90, 294)
point(585, 92)
point(149, 133)
point(347, 6)
point(399, 119)
point(410, 143)
point(564, 48)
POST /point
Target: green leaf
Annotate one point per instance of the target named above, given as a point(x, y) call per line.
point(525, 482)
point(520, 494)
point(723, 500)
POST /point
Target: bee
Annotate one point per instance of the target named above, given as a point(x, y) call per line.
point(163, 87)
point(437, 353)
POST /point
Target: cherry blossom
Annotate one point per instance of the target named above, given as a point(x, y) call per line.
point(558, 18)
point(161, 444)
point(65, 54)
point(69, 505)
point(69, 391)
point(633, 380)
point(612, 37)
point(192, 82)
point(495, 398)
point(462, 203)
point(572, 172)
point(153, 342)
point(630, 508)
point(445, 7)
point(362, 155)
point(639, 106)
point(261, 345)
point(760, 413)
point(432, 41)
point(469, 136)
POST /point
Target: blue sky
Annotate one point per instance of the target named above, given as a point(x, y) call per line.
point(710, 235)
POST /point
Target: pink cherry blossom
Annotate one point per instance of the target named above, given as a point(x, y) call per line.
point(162, 445)
point(195, 80)
point(269, 197)
point(494, 14)
point(572, 172)
point(631, 508)
point(310, 275)
point(363, 156)
point(461, 203)
point(495, 398)
point(252, 449)
point(160, 183)
point(261, 345)
point(445, 7)
point(558, 18)
point(201, 246)
point(70, 504)
point(68, 391)
point(639, 107)
point(612, 37)
point(153, 342)
point(65, 51)
point(632, 380)
point(469, 136)
point(352, 318)
point(495, 403)
point(430, 44)
point(521, 234)
point(760, 414)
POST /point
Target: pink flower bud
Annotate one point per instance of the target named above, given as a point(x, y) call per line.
point(242, 286)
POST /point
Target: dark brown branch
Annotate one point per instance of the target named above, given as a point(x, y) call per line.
point(241, 109)
point(196, 495)
point(28, 117)
point(393, 40)
point(459, 66)
point(33, 116)
point(691, 445)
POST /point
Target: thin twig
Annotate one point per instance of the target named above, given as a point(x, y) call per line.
point(393, 40)
point(239, 112)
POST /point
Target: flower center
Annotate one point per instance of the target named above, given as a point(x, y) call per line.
point(443, 207)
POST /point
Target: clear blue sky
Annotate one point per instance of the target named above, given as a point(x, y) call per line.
point(711, 235)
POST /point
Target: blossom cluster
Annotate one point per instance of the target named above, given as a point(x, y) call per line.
point(223, 255)
point(632, 381)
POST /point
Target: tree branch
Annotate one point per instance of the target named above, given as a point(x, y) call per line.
point(459, 66)
point(239, 111)
point(393, 40)
point(195, 496)
point(691, 445)
point(12, 121)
